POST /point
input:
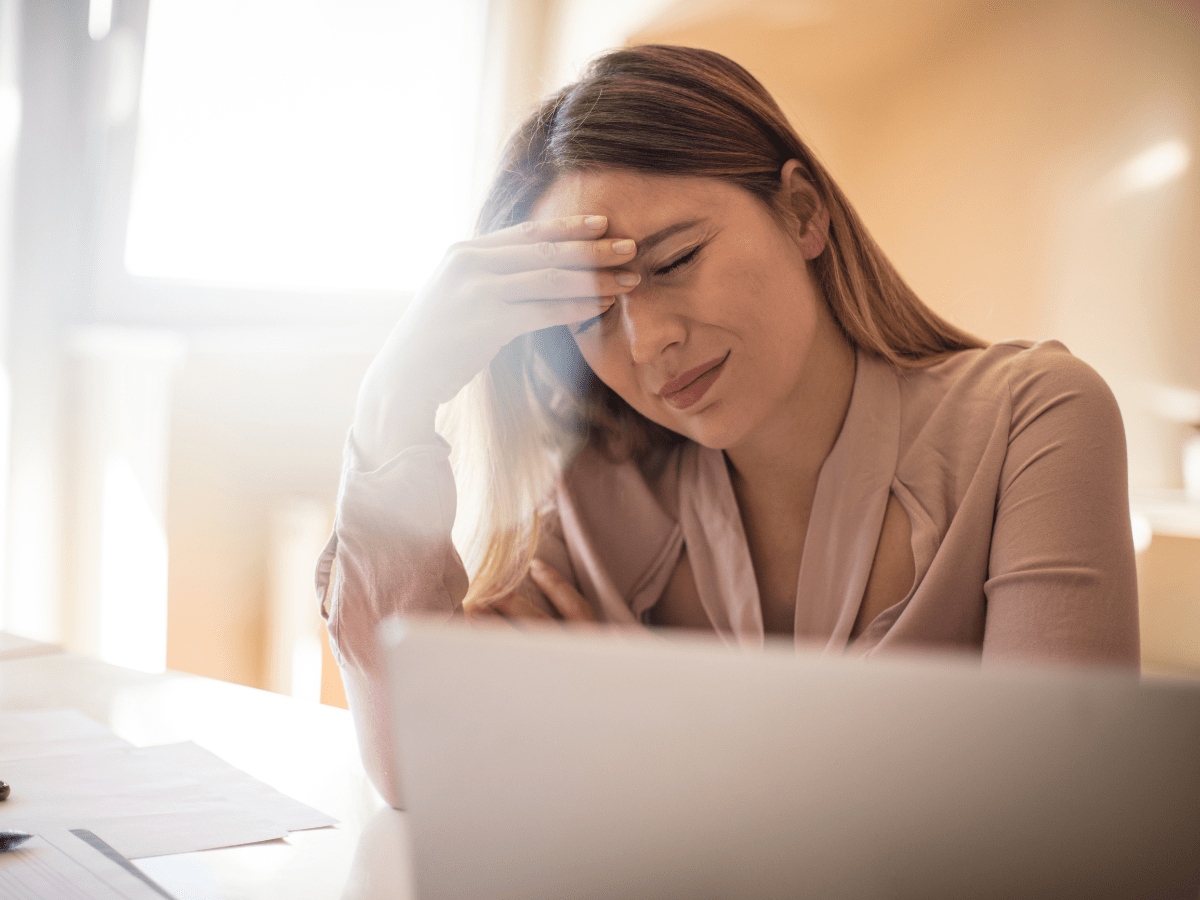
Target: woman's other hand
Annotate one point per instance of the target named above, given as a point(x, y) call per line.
point(566, 600)
point(485, 293)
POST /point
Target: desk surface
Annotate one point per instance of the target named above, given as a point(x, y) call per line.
point(306, 750)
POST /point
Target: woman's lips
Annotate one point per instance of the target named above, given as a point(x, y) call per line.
point(693, 384)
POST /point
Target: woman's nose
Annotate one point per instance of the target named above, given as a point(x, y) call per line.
point(650, 326)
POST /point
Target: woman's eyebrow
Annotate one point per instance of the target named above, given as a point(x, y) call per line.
point(649, 242)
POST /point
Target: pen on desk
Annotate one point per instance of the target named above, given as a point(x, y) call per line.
point(11, 840)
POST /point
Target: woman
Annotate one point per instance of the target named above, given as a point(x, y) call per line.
point(701, 396)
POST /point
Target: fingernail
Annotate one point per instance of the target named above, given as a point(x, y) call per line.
point(537, 566)
point(595, 221)
point(622, 246)
point(628, 279)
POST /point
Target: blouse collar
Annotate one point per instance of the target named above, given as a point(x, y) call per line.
point(843, 532)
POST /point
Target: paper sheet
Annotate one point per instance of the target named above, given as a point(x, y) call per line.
point(234, 784)
point(59, 865)
point(138, 805)
point(143, 801)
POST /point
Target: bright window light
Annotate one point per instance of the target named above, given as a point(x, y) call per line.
point(1155, 165)
point(99, 19)
point(133, 574)
point(10, 117)
point(306, 144)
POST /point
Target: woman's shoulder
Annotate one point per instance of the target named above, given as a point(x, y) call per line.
point(1013, 373)
point(996, 392)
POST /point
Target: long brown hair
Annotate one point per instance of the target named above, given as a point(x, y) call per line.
point(668, 111)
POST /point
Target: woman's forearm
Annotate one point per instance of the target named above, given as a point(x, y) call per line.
point(390, 554)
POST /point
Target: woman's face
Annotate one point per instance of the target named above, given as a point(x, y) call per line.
point(712, 343)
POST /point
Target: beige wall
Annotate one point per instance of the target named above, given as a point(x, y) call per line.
point(1169, 587)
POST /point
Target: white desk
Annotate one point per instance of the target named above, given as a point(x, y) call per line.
point(306, 750)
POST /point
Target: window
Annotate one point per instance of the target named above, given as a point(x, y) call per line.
point(303, 145)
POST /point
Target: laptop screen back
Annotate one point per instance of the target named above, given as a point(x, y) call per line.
point(551, 765)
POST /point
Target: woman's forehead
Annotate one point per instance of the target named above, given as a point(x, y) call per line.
point(636, 203)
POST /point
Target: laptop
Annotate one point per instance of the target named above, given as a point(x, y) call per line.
point(545, 764)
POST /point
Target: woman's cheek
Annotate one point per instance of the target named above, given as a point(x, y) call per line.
point(600, 356)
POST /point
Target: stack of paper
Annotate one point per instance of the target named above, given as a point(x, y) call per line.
point(69, 772)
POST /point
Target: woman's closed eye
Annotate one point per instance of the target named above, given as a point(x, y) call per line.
point(669, 269)
point(680, 262)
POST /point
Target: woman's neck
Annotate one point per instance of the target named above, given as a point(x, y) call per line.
point(782, 459)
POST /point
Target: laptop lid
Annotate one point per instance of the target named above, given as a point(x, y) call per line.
point(542, 764)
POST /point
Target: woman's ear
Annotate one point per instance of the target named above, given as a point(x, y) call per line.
point(800, 199)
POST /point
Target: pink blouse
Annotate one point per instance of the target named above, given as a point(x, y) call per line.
point(1009, 461)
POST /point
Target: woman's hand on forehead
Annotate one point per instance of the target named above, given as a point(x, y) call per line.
point(486, 292)
point(570, 244)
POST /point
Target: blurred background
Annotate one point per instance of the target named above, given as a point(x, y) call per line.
point(211, 211)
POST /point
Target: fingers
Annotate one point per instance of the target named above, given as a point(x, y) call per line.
point(511, 606)
point(561, 284)
point(600, 254)
point(546, 245)
point(570, 228)
point(548, 313)
point(566, 600)
point(481, 615)
point(569, 603)
point(529, 301)
point(564, 269)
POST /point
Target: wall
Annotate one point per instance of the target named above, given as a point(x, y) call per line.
point(1169, 587)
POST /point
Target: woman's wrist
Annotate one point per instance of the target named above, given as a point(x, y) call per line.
point(388, 431)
